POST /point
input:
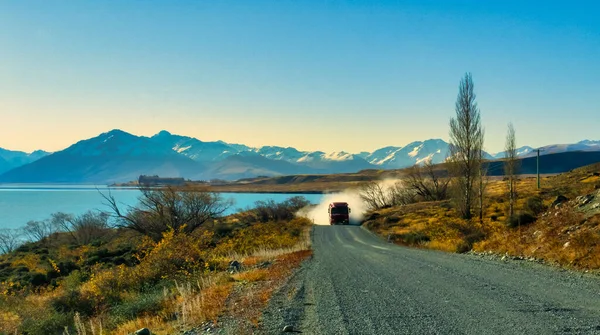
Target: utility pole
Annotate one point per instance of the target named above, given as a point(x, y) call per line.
point(538, 168)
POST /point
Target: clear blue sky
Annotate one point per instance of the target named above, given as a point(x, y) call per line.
point(328, 75)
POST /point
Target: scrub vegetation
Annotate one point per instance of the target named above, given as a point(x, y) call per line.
point(150, 266)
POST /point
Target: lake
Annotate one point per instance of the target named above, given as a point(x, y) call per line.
point(20, 203)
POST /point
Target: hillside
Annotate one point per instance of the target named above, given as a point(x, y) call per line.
point(559, 223)
point(549, 164)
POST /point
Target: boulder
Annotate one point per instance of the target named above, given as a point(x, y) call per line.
point(234, 266)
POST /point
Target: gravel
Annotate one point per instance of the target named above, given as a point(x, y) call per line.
point(356, 283)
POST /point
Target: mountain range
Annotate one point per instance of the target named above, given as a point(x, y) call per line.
point(118, 156)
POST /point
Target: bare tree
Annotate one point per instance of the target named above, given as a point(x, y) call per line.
point(426, 182)
point(375, 195)
point(10, 239)
point(84, 228)
point(39, 230)
point(466, 142)
point(401, 194)
point(510, 168)
point(182, 209)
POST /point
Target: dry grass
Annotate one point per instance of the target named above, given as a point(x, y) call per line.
point(178, 283)
point(257, 285)
point(564, 236)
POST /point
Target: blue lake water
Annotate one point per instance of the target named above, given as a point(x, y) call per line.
point(20, 203)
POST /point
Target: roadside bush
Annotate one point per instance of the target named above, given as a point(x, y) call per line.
point(270, 210)
point(520, 219)
point(413, 238)
point(535, 205)
point(467, 244)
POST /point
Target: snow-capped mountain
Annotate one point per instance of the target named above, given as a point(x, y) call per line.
point(12, 159)
point(522, 151)
point(590, 143)
point(193, 148)
point(288, 154)
point(418, 152)
point(117, 156)
point(113, 156)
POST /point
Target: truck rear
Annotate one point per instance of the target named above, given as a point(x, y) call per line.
point(339, 213)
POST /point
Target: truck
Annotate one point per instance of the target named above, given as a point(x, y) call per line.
point(339, 213)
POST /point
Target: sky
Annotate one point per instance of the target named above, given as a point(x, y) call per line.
point(315, 75)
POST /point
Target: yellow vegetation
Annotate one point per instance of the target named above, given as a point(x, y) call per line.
point(565, 235)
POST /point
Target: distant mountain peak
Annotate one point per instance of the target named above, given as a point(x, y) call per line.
point(115, 132)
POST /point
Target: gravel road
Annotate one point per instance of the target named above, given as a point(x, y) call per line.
point(357, 283)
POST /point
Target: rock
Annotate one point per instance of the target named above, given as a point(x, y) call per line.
point(234, 266)
point(596, 205)
point(584, 199)
point(503, 258)
point(143, 331)
point(566, 245)
point(288, 329)
point(559, 200)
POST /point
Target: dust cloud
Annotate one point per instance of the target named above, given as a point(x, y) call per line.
point(318, 214)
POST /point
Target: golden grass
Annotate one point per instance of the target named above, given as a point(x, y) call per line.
point(564, 236)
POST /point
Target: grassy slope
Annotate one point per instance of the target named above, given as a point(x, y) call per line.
point(435, 225)
point(126, 281)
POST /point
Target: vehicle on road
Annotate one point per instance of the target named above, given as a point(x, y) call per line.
point(339, 213)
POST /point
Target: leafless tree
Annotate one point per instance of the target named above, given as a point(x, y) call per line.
point(401, 194)
point(84, 228)
point(510, 168)
point(427, 183)
point(374, 195)
point(182, 209)
point(39, 230)
point(466, 142)
point(10, 239)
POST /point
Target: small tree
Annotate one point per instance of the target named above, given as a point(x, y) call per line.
point(427, 183)
point(39, 230)
point(10, 239)
point(466, 143)
point(374, 195)
point(84, 228)
point(510, 168)
point(178, 208)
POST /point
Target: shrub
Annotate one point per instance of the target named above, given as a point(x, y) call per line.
point(181, 209)
point(535, 205)
point(413, 238)
point(72, 301)
point(494, 217)
point(520, 219)
point(49, 322)
point(137, 305)
point(468, 241)
point(269, 210)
